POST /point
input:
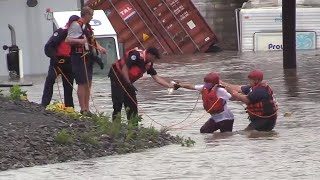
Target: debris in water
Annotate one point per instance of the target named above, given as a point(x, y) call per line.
point(287, 114)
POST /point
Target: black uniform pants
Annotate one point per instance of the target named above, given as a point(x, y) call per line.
point(120, 97)
point(211, 126)
point(262, 124)
point(67, 78)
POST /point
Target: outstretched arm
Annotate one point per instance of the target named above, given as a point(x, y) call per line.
point(231, 87)
point(187, 86)
point(160, 80)
point(240, 97)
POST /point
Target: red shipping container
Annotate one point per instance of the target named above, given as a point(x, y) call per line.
point(181, 22)
point(173, 26)
point(133, 30)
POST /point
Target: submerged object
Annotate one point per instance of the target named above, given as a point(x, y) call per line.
point(287, 114)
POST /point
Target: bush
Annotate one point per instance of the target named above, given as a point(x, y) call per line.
point(16, 93)
point(63, 137)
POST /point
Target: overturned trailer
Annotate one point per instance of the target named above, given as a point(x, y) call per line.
point(260, 29)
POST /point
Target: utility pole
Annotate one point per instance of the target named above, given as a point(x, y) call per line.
point(289, 33)
point(81, 4)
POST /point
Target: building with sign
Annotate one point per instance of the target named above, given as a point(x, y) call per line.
point(260, 29)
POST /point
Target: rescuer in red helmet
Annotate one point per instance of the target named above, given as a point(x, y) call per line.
point(214, 98)
point(259, 98)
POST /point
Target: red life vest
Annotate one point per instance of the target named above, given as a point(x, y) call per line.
point(265, 108)
point(135, 72)
point(64, 49)
point(211, 103)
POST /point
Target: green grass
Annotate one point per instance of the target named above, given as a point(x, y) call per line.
point(63, 137)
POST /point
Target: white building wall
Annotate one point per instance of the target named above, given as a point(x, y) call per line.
point(32, 31)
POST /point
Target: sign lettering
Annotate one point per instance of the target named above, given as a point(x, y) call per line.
point(126, 12)
point(273, 41)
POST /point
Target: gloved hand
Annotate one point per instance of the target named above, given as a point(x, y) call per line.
point(176, 86)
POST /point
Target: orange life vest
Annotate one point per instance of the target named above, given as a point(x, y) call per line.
point(211, 103)
point(135, 72)
point(265, 108)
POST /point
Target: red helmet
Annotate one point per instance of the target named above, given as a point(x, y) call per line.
point(256, 75)
point(212, 78)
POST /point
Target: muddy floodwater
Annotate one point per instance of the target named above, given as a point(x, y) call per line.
point(291, 151)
